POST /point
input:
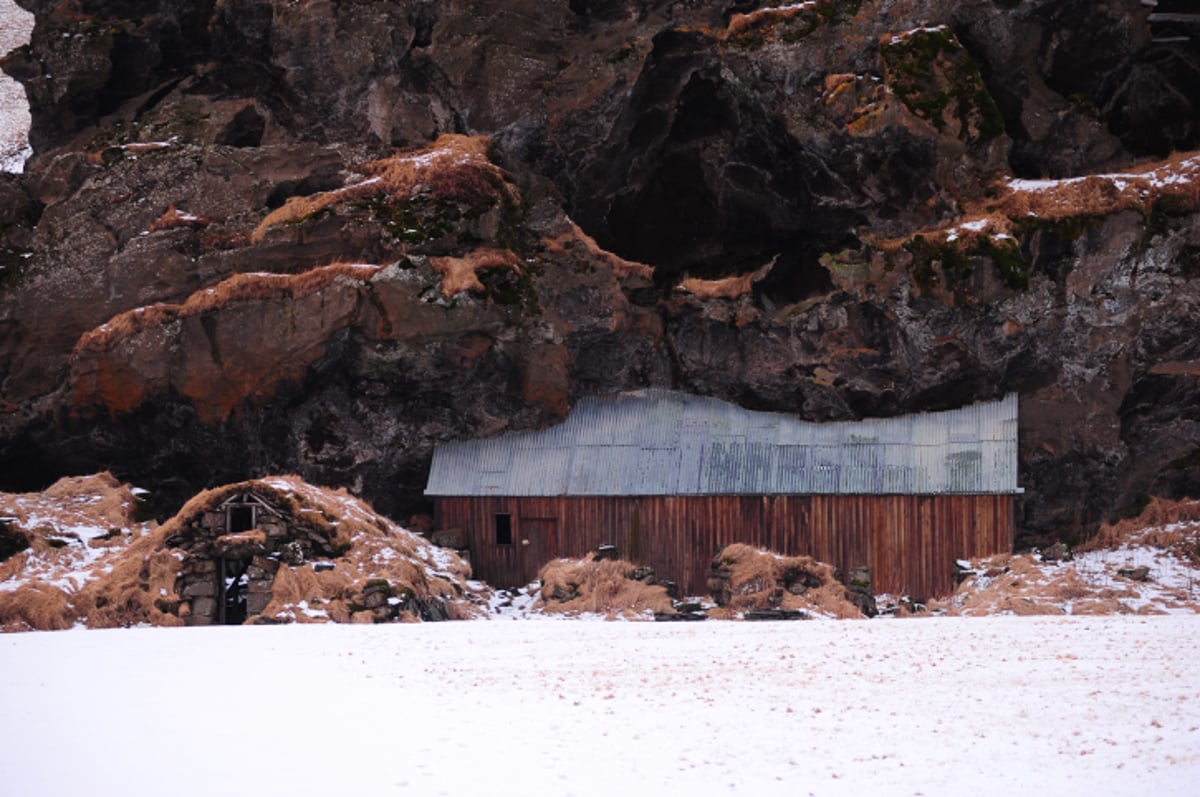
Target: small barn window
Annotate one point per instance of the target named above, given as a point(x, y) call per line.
point(504, 529)
point(241, 518)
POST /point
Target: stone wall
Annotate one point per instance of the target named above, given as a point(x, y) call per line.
point(263, 549)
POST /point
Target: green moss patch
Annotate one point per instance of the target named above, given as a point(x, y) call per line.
point(938, 81)
point(950, 263)
point(932, 260)
point(1068, 228)
point(420, 220)
point(510, 288)
point(1008, 259)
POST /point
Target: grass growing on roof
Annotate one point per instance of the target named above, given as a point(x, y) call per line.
point(76, 570)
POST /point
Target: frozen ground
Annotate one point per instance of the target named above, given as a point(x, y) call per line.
point(985, 706)
point(15, 27)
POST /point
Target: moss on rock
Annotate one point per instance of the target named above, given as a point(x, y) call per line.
point(938, 80)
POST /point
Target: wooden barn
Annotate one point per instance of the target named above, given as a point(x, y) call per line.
point(670, 478)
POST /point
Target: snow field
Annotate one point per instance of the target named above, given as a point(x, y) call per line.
point(941, 706)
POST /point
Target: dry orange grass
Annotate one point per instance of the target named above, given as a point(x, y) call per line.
point(257, 286)
point(1176, 180)
point(982, 225)
point(574, 237)
point(327, 592)
point(740, 24)
point(61, 524)
point(140, 581)
point(453, 168)
point(140, 589)
point(1021, 585)
point(254, 286)
point(334, 515)
point(726, 288)
point(57, 521)
point(462, 273)
point(339, 594)
point(173, 217)
point(35, 607)
point(591, 586)
point(759, 579)
point(1167, 524)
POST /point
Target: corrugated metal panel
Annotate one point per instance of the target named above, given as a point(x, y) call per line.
point(658, 442)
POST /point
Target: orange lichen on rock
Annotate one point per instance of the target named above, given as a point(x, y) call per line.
point(253, 286)
point(561, 244)
point(462, 273)
point(174, 217)
point(726, 287)
point(765, 18)
point(218, 360)
point(454, 168)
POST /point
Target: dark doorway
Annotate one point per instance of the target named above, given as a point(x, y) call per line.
point(233, 585)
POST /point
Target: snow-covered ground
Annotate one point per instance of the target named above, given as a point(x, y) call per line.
point(15, 27)
point(988, 706)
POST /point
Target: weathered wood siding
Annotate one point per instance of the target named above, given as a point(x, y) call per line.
point(909, 541)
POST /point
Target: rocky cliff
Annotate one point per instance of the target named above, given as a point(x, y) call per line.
point(321, 237)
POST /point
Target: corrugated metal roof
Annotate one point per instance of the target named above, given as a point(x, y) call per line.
point(660, 442)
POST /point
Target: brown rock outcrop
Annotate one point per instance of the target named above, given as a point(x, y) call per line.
point(168, 307)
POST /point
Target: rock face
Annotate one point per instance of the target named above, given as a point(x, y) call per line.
point(322, 237)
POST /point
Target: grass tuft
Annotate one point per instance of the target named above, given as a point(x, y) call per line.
point(599, 586)
point(744, 578)
point(462, 273)
point(454, 168)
